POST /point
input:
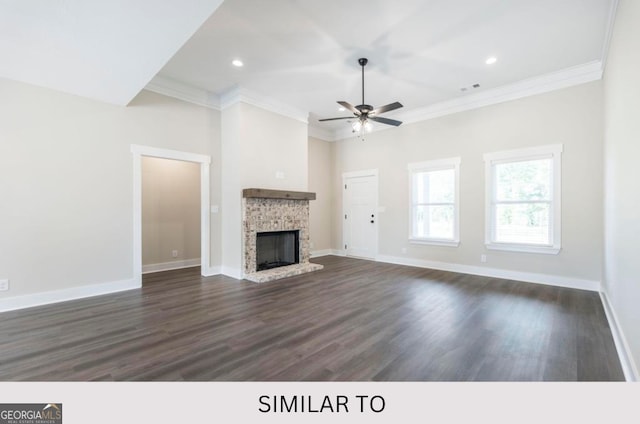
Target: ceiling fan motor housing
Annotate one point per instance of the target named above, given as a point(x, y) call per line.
point(364, 108)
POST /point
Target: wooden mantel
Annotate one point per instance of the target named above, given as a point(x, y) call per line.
point(264, 193)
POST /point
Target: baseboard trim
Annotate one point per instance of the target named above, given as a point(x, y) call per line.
point(168, 266)
point(319, 253)
point(73, 293)
point(624, 352)
point(231, 272)
point(214, 270)
point(528, 277)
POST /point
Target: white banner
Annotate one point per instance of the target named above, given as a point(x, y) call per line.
point(182, 402)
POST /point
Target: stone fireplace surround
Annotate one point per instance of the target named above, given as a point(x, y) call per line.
point(275, 210)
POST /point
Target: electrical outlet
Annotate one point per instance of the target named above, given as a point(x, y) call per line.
point(311, 245)
point(483, 258)
point(4, 285)
point(404, 250)
point(280, 175)
point(174, 253)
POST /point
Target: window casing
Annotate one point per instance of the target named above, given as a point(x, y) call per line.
point(434, 202)
point(523, 200)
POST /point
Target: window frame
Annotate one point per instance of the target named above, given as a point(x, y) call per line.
point(430, 166)
point(553, 152)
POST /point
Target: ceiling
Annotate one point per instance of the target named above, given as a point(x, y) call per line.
point(302, 54)
point(421, 52)
point(105, 50)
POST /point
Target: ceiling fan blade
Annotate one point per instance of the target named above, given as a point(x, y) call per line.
point(349, 106)
point(386, 121)
point(335, 119)
point(387, 108)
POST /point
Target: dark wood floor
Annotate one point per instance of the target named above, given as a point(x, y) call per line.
point(354, 320)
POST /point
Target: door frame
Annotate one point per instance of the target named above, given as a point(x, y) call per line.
point(138, 152)
point(356, 174)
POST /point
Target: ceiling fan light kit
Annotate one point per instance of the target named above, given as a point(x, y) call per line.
point(366, 113)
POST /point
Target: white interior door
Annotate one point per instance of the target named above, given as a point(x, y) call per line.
point(360, 206)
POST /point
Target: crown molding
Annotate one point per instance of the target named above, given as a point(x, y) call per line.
point(178, 90)
point(322, 133)
point(240, 94)
point(609, 33)
point(575, 75)
point(564, 78)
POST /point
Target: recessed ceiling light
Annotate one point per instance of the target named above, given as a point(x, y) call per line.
point(237, 63)
point(341, 109)
point(491, 60)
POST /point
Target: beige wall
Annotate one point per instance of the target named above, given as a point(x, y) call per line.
point(170, 210)
point(231, 175)
point(66, 181)
point(272, 143)
point(571, 116)
point(621, 153)
point(321, 183)
point(256, 145)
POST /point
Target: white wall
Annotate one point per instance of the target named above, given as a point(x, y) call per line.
point(256, 144)
point(571, 116)
point(170, 211)
point(621, 153)
point(66, 181)
point(321, 183)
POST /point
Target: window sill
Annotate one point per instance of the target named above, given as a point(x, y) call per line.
point(524, 248)
point(435, 242)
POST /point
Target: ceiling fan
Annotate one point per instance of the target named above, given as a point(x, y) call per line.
point(364, 112)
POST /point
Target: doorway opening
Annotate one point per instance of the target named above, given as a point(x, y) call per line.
point(170, 214)
point(142, 154)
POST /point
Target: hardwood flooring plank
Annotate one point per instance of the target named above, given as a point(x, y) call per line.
point(355, 320)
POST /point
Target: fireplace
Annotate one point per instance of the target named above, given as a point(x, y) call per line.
point(275, 227)
point(277, 248)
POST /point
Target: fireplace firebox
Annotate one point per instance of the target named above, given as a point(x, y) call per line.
point(277, 248)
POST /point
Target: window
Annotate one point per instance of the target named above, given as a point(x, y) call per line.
point(434, 205)
point(523, 200)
